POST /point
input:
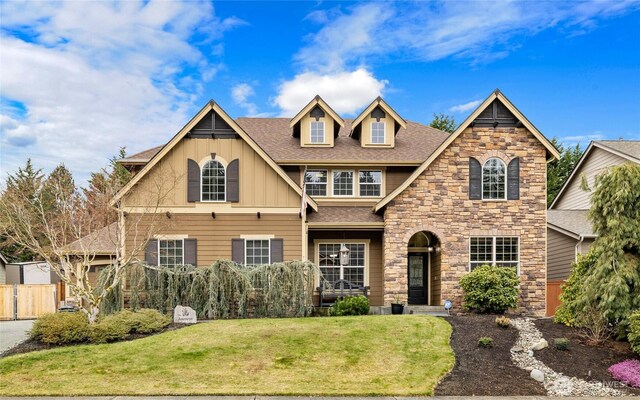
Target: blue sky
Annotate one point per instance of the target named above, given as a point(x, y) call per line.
point(80, 79)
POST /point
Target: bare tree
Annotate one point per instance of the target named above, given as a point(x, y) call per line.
point(60, 226)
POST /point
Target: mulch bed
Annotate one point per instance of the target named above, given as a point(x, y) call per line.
point(582, 361)
point(30, 345)
point(484, 372)
point(490, 372)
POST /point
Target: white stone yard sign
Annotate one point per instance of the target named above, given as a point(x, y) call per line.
point(184, 315)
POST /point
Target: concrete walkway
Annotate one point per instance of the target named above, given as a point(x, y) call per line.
point(13, 332)
point(309, 398)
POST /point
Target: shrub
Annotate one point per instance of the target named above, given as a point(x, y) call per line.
point(627, 371)
point(561, 343)
point(594, 327)
point(108, 331)
point(485, 342)
point(61, 328)
point(503, 322)
point(633, 332)
point(350, 305)
point(568, 311)
point(142, 321)
point(490, 289)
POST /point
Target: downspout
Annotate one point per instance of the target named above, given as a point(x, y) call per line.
point(578, 246)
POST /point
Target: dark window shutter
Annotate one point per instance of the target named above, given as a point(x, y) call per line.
point(191, 252)
point(513, 179)
point(151, 252)
point(475, 179)
point(277, 251)
point(237, 251)
point(233, 181)
point(193, 189)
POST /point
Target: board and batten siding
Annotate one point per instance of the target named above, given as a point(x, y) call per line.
point(376, 279)
point(214, 235)
point(561, 252)
point(260, 185)
point(395, 176)
point(598, 160)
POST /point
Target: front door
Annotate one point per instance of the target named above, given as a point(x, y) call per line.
point(418, 274)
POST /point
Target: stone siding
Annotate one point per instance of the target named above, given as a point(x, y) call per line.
point(438, 201)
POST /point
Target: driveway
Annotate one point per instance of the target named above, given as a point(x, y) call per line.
point(13, 332)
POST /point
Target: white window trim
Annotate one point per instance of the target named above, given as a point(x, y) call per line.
point(326, 184)
point(506, 177)
point(224, 165)
point(353, 182)
point(380, 184)
point(316, 250)
point(493, 250)
point(254, 238)
point(324, 132)
point(177, 239)
point(384, 132)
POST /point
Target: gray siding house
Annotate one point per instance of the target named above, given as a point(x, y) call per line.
point(569, 231)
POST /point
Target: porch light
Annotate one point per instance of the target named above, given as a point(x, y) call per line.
point(344, 255)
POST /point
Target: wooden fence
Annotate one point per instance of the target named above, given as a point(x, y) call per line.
point(553, 297)
point(26, 301)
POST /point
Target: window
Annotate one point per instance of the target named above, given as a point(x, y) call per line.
point(342, 183)
point(317, 131)
point(370, 183)
point(213, 181)
point(170, 252)
point(500, 251)
point(329, 262)
point(316, 182)
point(377, 132)
point(257, 252)
point(493, 179)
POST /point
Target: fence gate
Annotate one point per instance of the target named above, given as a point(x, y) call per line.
point(26, 301)
point(554, 289)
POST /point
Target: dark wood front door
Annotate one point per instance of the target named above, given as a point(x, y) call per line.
point(418, 275)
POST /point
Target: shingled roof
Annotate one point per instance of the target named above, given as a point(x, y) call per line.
point(345, 214)
point(573, 221)
point(412, 145)
point(101, 241)
point(628, 147)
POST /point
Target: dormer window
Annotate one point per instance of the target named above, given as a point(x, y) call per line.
point(317, 132)
point(377, 133)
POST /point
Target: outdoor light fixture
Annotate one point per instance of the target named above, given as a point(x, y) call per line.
point(344, 255)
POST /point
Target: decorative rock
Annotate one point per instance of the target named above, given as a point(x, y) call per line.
point(537, 375)
point(540, 345)
point(184, 315)
point(529, 369)
point(530, 353)
point(517, 349)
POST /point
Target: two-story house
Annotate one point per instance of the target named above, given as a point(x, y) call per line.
point(415, 208)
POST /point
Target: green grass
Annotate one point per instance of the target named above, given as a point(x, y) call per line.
point(371, 355)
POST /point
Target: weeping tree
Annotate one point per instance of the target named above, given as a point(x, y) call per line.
point(225, 289)
point(65, 228)
point(612, 283)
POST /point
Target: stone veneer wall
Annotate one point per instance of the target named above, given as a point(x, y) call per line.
point(438, 201)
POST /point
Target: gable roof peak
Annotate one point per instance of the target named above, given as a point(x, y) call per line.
point(496, 95)
point(316, 101)
point(377, 102)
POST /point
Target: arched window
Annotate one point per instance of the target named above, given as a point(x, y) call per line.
point(493, 179)
point(213, 181)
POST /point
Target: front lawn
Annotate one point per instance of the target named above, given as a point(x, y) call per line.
point(372, 355)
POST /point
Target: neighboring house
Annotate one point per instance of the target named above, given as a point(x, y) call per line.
point(416, 208)
point(98, 249)
point(30, 273)
point(569, 230)
point(3, 269)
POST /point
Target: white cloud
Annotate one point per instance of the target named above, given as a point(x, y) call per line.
point(427, 31)
point(460, 108)
point(346, 92)
point(93, 75)
point(582, 140)
point(240, 94)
